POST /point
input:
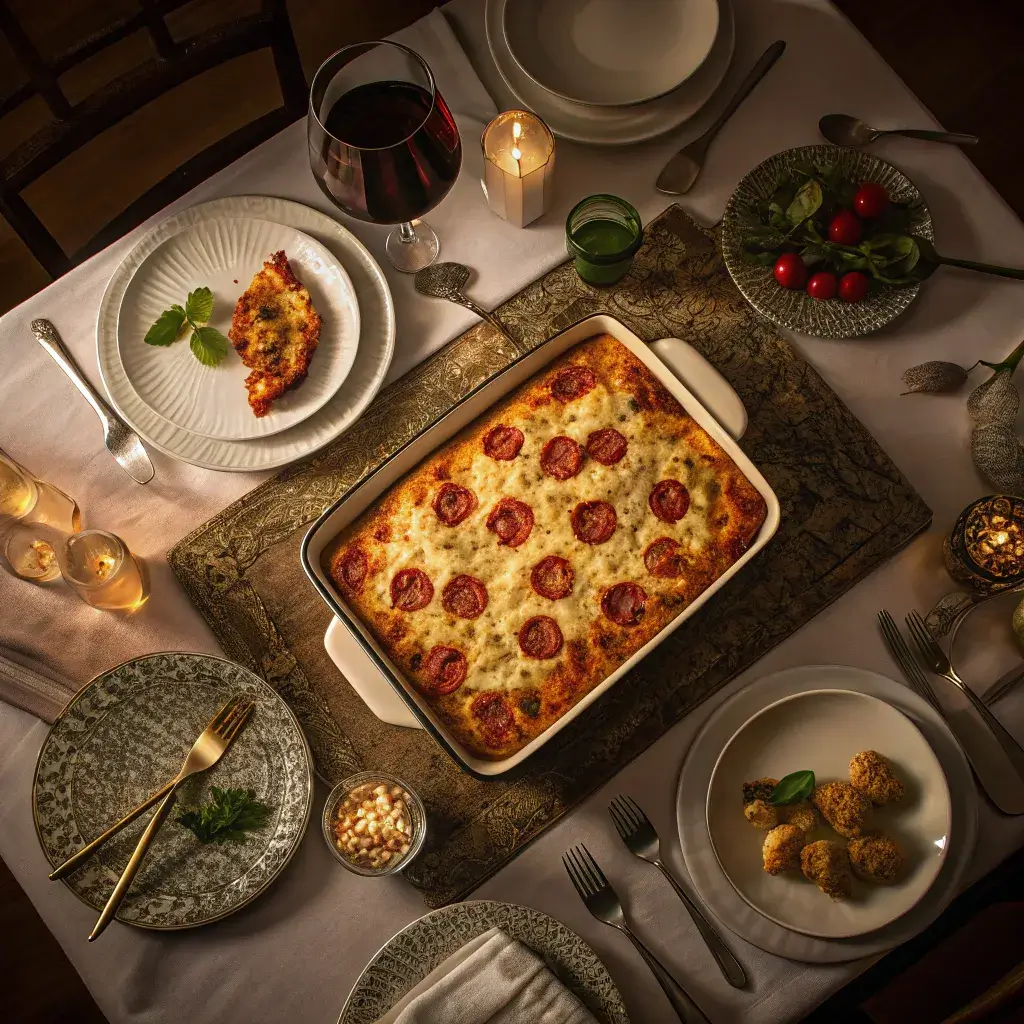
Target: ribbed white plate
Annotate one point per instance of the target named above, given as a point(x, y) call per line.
point(223, 254)
point(615, 126)
point(706, 872)
point(373, 357)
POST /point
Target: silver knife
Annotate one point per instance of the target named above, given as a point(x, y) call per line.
point(991, 765)
point(122, 442)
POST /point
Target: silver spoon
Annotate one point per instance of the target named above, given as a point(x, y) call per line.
point(844, 130)
point(446, 281)
point(682, 170)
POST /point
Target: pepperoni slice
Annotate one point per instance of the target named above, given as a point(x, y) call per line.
point(669, 500)
point(663, 559)
point(624, 603)
point(572, 382)
point(465, 596)
point(606, 446)
point(540, 637)
point(353, 567)
point(445, 670)
point(453, 503)
point(503, 443)
point(561, 458)
point(511, 520)
point(552, 577)
point(411, 590)
point(495, 716)
point(593, 522)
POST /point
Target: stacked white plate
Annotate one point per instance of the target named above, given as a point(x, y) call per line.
point(817, 718)
point(612, 72)
point(200, 414)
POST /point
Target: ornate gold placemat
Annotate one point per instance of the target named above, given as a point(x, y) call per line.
point(845, 509)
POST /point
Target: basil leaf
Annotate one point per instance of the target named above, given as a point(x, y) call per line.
point(199, 306)
point(208, 345)
point(166, 328)
point(793, 788)
point(805, 203)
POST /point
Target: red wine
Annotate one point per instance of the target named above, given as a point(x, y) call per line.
point(394, 153)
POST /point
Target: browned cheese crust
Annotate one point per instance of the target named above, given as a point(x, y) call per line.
point(494, 683)
point(275, 330)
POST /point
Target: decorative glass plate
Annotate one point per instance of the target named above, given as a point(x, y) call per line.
point(796, 310)
point(122, 737)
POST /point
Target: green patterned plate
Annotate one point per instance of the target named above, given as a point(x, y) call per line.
point(796, 310)
point(125, 734)
point(408, 957)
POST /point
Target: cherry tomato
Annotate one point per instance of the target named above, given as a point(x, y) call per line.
point(822, 285)
point(845, 228)
point(790, 271)
point(870, 200)
point(853, 286)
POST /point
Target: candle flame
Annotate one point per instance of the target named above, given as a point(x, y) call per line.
point(517, 130)
point(516, 154)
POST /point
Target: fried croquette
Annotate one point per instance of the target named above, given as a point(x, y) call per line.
point(759, 789)
point(781, 850)
point(801, 814)
point(875, 858)
point(843, 807)
point(761, 815)
point(275, 330)
point(827, 865)
point(872, 775)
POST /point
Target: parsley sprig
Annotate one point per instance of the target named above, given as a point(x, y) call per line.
point(227, 817)
point(208, 345)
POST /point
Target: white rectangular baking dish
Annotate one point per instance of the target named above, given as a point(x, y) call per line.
point(351, 505)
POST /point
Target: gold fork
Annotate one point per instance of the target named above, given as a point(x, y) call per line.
point(207, 750)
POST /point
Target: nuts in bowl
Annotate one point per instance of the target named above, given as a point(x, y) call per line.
point(374, 823)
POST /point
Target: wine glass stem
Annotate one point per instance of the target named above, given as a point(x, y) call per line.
point(406, 232)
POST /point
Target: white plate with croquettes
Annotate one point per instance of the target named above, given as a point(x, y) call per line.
point(859, 849)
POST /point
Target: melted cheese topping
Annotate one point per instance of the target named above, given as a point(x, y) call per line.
point(420, 540)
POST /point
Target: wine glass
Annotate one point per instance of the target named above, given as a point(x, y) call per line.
point(383, 144)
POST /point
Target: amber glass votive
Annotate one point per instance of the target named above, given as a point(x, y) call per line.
point(101, 570)
point(985, 551)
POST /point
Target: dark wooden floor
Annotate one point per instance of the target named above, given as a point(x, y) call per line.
point(963, 58)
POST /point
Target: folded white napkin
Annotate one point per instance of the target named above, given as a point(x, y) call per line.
point(31, 686)
point(493, 979)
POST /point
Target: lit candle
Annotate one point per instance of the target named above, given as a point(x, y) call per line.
point(519, 163)
point(102, 571)
point(985, 551)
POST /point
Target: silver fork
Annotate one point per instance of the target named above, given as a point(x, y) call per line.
point(641, 839)
point(935, 658)
point(600, 899)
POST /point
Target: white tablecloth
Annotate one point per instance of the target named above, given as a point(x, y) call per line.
point(295, 953)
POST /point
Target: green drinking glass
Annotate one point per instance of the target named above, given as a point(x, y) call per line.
point(602, 235)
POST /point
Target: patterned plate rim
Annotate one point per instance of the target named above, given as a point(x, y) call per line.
point(490, 907)
point(309, 780)
point(850, 321)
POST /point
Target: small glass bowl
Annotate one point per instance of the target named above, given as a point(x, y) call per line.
point(417, 814)
point(602, 235)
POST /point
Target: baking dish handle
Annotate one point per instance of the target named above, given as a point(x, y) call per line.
point(369, 684)
point(711, 389)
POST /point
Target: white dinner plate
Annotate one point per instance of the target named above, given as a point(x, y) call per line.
point(223, 254)
point(614, 126)
point(373, 356)
point(706, 872)
point(821, 730)
point(610, 52)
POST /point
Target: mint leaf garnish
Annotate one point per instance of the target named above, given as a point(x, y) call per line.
point(199, 306)
point(167, 327)
point(208, 345)
point(227, 817)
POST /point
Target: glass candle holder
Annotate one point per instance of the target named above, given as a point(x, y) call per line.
point(985, 551)
point(519, 164)
point(30, 554)
point(101, 570)
point(602, 235)
point(27, 499)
